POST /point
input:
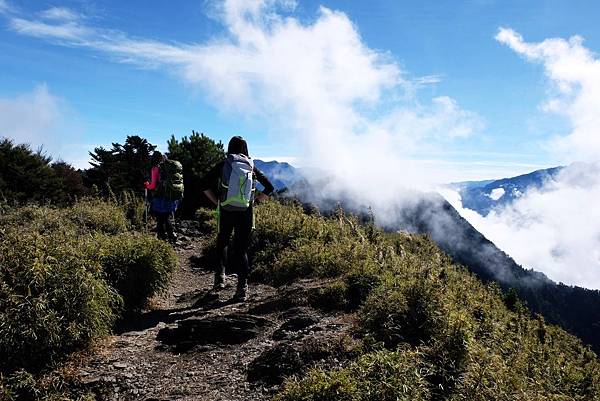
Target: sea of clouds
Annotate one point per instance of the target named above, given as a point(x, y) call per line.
point(556, 229)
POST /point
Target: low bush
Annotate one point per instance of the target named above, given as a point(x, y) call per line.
point(289, 245)
point(359, 286)
point(446, 335)
point(134, 210)
point(329, 297)
point(403, 312)
point(97, 215)
point(136, 265)
point(206, 219)
point(59, 385)
point(52, 299)
point(40, 219)
point(378, 376)
point(65, 276)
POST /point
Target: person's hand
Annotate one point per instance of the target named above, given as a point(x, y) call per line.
point(147, 184)
point(211, 196)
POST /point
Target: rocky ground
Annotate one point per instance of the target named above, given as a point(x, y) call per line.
point(195, 344)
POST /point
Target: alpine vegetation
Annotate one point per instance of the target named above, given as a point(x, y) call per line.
point(429, 329)
point(66, 276)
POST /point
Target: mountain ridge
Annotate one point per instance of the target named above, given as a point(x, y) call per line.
point(571, 307)
point(485, 196)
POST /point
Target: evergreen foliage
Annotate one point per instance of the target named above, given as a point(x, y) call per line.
point(124, 167)
point(28, 176)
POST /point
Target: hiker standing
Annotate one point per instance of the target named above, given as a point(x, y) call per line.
point(235, 179)
point(166, 183)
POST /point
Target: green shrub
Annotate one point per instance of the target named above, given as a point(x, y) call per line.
point(64, 273)
point(464, 339)
point(134, 210)
point(98, 215)
point(42, 219)
point(137, 266)
point(330, 297)
point(58, 385)
point(290, 245)
point(88, 215)
point(359, 286)
point(207, 220)
point(379, 376)
point(21, 385)
point(52, 300)
point(403, 311)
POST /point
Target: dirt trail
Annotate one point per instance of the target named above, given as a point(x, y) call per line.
point(197, 345)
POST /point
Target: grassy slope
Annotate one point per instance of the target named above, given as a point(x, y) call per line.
point(65, 276)
point(430, 329)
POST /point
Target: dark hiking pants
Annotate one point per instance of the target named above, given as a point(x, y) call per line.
point(164, 227)
point(240, 224)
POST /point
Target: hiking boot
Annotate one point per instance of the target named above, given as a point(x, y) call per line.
point(219, 281)
point(241, 294)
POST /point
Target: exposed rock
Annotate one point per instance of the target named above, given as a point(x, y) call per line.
point(293, 325)
point(230, 329)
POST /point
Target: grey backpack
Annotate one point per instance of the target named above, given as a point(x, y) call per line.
point(237, 184)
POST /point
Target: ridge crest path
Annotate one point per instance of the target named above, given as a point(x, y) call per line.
point(196, 344)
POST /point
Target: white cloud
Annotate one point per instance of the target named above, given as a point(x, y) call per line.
point(497, 193)
point(4, 7)
point(27, 118)
point(39, 118)
point(556, 229)
point(574, 72)
point(60, 14)
point(67, 31)
point(428, 80)
point(342, 103)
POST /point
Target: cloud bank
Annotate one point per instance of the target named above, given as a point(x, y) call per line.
point(556, 229)
point(350, 109)
point(40, 117)
point(30, 117)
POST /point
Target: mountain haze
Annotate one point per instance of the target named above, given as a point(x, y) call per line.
point(574, 308)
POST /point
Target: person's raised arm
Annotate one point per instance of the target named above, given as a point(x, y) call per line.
point(260, 177)
point(153, 180)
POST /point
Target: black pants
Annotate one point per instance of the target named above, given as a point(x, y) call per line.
point(240, 223)
point(164, 227)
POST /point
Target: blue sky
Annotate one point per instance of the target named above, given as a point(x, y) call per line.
point(101, 74)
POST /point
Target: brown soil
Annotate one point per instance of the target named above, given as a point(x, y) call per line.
point(135, 365)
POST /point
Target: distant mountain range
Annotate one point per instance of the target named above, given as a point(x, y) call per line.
point(485, 196)
point(282, 175)
point(574, 308)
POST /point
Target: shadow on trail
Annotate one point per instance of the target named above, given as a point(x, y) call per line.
point(204, 300)
point(208, 258)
